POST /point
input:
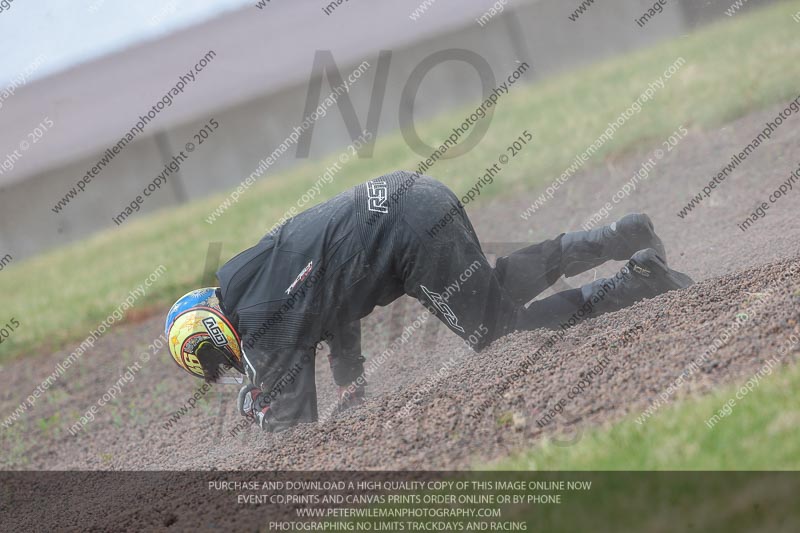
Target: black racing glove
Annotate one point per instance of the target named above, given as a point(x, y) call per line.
point(352, 395)
point(252, 404)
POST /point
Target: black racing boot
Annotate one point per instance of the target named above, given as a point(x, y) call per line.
point(584, 250)
point(644, 276)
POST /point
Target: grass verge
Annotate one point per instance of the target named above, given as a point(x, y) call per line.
point(665, 475)
point(759, 432)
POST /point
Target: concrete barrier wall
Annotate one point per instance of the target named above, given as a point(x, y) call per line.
point(539, 33)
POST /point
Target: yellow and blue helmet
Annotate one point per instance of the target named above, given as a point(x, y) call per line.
point(201, 338)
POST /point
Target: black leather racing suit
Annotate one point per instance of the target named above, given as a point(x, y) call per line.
point(328, 267)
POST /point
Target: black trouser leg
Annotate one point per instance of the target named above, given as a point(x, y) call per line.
point(447, 271)
point(528, 272)
point(550, 312)
point(440, 260)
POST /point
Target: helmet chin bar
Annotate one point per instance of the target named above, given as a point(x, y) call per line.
point(216, 364)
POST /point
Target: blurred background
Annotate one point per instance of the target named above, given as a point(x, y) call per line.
point(93, 67)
